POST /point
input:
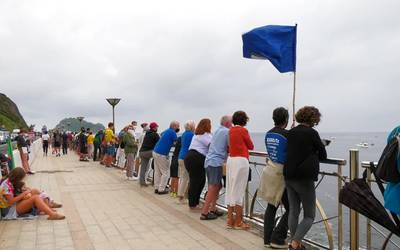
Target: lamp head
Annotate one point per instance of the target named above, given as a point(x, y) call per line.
point(113, 101)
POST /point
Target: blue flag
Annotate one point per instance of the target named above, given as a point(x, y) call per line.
point(274, 43)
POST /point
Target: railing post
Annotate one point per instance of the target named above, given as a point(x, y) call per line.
point(354, 229)
point(340, 209)
point(369, 237)
point(246, 200)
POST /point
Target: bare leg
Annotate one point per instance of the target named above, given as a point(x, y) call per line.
point(26, 205)
point(211, 193)
point(174, 184)
point(213, 205)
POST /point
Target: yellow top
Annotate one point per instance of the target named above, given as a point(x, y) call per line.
point(90, 139)
point(108, 135)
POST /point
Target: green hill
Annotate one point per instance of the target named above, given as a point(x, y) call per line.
point(73, 124)
point(10, 117)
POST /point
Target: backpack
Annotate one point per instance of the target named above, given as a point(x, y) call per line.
point(121, 141)
point(387, 168)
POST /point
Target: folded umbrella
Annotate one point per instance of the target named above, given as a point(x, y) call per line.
point(358, 196)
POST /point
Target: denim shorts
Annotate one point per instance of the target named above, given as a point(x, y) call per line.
point(110, 150)
point(214, 175)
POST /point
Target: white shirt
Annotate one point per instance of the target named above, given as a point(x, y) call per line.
point(201, 143)
point(45, 137)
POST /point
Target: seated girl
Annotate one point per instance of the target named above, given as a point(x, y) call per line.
point(22, 203)
point(43, 195)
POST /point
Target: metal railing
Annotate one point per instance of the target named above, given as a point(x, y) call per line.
point(251, 202)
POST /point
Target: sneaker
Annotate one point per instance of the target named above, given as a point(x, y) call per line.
point(279, 245)
point(163, 192)
point(267, 245)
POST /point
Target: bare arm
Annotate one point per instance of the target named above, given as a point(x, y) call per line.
point(14, 199)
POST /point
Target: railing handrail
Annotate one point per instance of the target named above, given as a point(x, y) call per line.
point(366, 164)
point(331, 161)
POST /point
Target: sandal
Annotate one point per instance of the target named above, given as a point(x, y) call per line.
point(242, 226)
point(55, 205)
point(217, 213)
point(56, 217)
point(209, 216)
point(230, 225)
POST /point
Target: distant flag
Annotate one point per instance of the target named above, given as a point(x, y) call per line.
point(275, 43)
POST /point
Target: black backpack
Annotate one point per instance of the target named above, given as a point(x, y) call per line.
point(387, 165)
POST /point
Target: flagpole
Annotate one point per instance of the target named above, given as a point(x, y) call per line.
point(294, 99)
point(294, 80)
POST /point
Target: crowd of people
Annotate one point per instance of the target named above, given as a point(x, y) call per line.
point(58, 141)
point(222, 160)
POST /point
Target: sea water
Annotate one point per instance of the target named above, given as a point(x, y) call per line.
point(327, 189)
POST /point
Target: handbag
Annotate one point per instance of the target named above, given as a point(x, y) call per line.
point(3, 200)
point(272, 183)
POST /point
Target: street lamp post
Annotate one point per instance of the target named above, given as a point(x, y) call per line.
point(113, 102)
point(68, 125)
point(80, 119)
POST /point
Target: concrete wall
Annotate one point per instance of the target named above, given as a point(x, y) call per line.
point(36, 149)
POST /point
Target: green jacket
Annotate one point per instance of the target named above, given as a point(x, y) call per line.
point(98, 138)
point(130, 143)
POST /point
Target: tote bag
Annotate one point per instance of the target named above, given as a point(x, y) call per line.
point(272, 183)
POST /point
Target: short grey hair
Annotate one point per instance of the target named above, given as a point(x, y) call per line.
point(173, 124)
point(190, 125)
point(225, 119)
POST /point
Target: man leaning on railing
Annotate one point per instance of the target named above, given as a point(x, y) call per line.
point(272, 185)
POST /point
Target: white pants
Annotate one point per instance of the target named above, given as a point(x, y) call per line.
point(183, 179)
point(90, 150)
point(161, 171)
point(121, 157)
point(237, 174)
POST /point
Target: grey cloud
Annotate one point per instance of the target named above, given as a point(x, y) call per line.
point(182, 60)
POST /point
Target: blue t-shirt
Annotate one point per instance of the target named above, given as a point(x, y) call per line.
point(218, 151)
point(186, 140)
point(164, 145)
point(276, 144)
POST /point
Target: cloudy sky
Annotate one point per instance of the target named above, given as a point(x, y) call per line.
point(183, 60)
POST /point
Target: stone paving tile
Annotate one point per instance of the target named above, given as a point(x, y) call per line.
point(105, 211)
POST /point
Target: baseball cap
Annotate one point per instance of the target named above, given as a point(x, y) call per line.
point(153, 125)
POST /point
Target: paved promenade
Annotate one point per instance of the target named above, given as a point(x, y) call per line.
point(105, 211)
